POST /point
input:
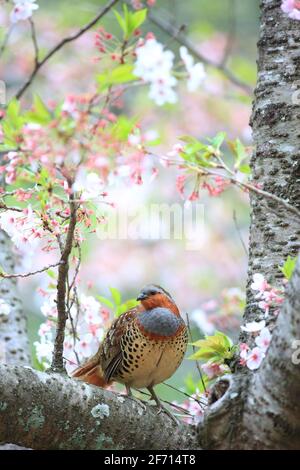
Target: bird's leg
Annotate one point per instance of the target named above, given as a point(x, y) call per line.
point(161, 407)
point(136, 400)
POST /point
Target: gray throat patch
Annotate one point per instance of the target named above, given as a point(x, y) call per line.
point(160, 321)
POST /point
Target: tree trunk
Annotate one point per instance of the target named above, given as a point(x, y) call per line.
point(258, 410)
point(274, 234)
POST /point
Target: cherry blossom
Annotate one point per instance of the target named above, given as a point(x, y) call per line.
point(292, 8)
point(89, 184)
point(255, 358)
point(23, 10)
point(268, 295)
point(4, 308)
point(259, 283)
point(213, 370)
point(253, 327)
point(24, 228)
point(196, 72)
point(90, 321)
point(264, 339)
point(154, 66)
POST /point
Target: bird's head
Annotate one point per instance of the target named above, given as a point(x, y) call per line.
point(152, 296)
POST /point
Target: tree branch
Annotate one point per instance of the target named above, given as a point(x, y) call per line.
point(61, 44)
point(56, 412)
point(32, 273)
point(180, 37)
point(63, 270)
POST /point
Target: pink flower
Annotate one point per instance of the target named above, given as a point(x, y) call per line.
point(194, 196)
point(255, 358)
point(259, 283)
point(292, 8)
point(264, 339)
point(22, 10)
point(213, 370)
point(180, 182)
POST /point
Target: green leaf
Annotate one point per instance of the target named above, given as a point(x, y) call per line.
point(216, 348)
point(121, 22)
point(121, 74)
point(40, 113)
point(12, 124)
point(115, 295)
point(51, 273)
point(135, 20)
point(105, 301)
point(123, 127)
point(239, 154)
point(288, 267)
point(245, 169)
point(218, 140)
point(13, 110)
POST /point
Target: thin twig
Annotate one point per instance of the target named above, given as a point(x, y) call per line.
point(11, 276)
point(250, 187)
point(194, 350)
point(57, 360)
point(168, 403)
point(34, 42)
point(239, 232)
point(8, 208)
point(61, 44)
point(186, 395)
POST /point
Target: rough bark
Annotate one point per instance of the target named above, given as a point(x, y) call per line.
point(13, 332)
point(258, 410)
point(262, 410)
point(52, 411)
point(272, 411)
point(274, 234)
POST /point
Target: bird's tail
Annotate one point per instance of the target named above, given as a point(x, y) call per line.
point(91, 372)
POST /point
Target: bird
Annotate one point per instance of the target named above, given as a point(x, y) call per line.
point(142, 348)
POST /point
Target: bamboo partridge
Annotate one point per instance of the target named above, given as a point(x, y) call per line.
point(142, 348)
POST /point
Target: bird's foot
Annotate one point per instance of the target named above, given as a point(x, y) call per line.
point(164, 409)
point(161, 407)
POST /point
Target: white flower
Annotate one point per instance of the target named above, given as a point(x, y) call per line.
point(254, 326)
point(254, 358)
point(44, 350)
point(24, 228)
point(259, 282)
point(196, 71)
point(292, 7)
point(22, 10)
point(161, 94)
point(200, 318)
point(89, 184)
point(154, 65)
point(4, 308)
point(152, 61)
point(134, 139)
point(49, 308)
point(264, 339)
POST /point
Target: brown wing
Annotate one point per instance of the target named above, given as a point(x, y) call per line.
point(111, 353)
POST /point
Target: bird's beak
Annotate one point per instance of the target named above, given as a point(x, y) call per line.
point(141, 296)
